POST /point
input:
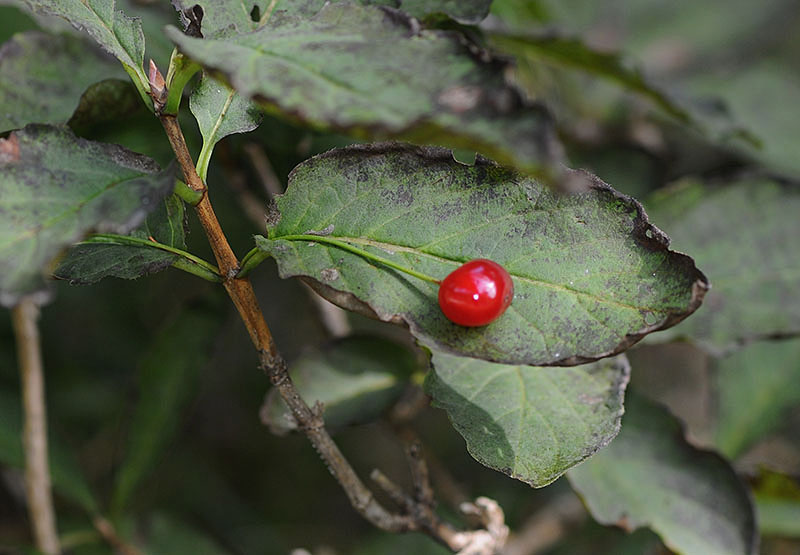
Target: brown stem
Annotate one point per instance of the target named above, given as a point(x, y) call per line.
point(37, 471)
point(421, 515)
point(243, 296)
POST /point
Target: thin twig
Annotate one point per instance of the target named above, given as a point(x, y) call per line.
point(333, 318)
point(37, 469)
point(422, 517)
point(273, 364)
point(109, 533)
point(545, 527)
point(266, 173)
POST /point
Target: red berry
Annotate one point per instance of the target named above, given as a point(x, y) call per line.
point(476, 293)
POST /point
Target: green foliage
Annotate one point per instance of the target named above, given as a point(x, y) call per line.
point(370, 227)
point(81, 182)
point(43, 78)
point(355, 380)
point(614, 280)
point(743, 235)
point(650, 476)
point(104, 256)
point(115, 32)
point(528, 422)
point(338, 71)
point(757, 386)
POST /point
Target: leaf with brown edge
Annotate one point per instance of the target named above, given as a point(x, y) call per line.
point(591, 275)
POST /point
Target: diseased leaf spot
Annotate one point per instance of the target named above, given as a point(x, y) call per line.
point(9, 150)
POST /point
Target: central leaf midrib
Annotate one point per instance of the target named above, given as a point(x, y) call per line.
point(390, 247)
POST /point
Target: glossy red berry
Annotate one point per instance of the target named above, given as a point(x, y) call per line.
point(476, 293)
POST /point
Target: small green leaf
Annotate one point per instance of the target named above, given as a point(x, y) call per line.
point(528, 422)
point(44, 78)
point(220, 112)
point(89, 262)
point(355, 379)
point(744, 235)
point(68, 479)
point(650, 476)
point(169, 372)
point(115, 32)
point(54, 188)
point(374, 73)
point(756, 386)
point(591, 275)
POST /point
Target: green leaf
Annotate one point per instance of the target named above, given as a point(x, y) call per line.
point(777, 498)
point(89, 262)
point(43, 78)
point(591, 275)
point(744, 237)
point(67, 478)
point(778, 517)
point(756, 386)
point(220, 112)
point(528, 422)
point(341, 70)
point(650, 476)
point(55, 187)
point(355, 379)
point(763, 98)
point(115, 32)
point(573, 52)
point(169, 371)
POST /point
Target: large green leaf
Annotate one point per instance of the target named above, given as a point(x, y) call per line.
point(531, 423)
point(55, 187)
point(355, 380)
point(90, 261)
point(374, 73)
point(169, 371)
point(744, 237)
point(67, 477)
point(591, 275)
point(43, 77)
point(756, 386)
point(572, 52)
point(650, 476)
point(115, 32)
